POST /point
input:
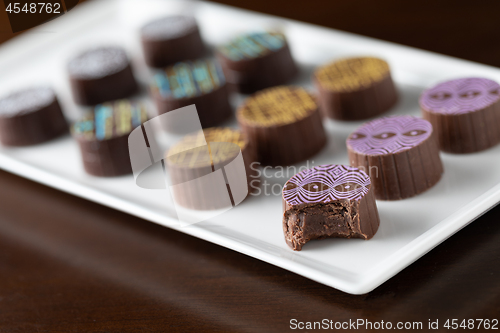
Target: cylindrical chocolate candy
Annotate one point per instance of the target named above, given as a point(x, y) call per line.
point(101, 74)
point(200, 82)
point(198, 155)
point(31, 116)
point(465, 113)
point(284, 123)
point(170, 39)
point(400, 153)
point(355, 88)
point(102, 135)
point(257, 61)
point(328, 201)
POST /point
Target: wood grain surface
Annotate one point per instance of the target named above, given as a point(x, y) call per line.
point(69, 265)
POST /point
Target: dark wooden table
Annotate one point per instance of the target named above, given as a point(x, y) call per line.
point(67, 264)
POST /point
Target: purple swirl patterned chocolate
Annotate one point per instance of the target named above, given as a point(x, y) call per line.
point(328, 201)
point(465, 113)
point(389, 135)
point(461, 96)
point(399, 152)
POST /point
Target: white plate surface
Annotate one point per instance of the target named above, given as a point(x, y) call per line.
point(409, 228)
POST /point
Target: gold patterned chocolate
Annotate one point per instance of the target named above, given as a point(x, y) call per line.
point(277, 106)
point(352, 73)
point(192, 152)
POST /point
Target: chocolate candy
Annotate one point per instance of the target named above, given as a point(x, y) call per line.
point(400, 153)
point(257, 61)
point(170, 39)
point(191, 159)
point(284, 123)
point(100, 75)
point(328, 201)
point(31, 116)
point(465, 114)
point(200, 82)
point(102, 135)
point(355, 88)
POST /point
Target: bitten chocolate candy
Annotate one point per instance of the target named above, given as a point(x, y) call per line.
point(102, 135)
point(257, 61)
point(355, 88)
point(465, 114)
point(191, 159)
point(284, 123)
point(328, 201)
point(200, 82)
point(100, 75)
point(400, 153)
point(31, 116)
point(170, 39)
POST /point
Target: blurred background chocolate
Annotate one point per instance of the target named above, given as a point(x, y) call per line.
point(328, 201)
point(355, 88)
point(256, 61)
point(101, 74)
point(465, 114)
point(199, 82)
point(31, 116)
point(400, 153)
point(201, 154)
point(170, 39)
point(102, 135)
point(284, 123)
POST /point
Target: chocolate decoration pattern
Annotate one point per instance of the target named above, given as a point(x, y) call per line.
point(191, 158)
point(328, 201)
point(399, 152)
point(284, 123)
point(171, 39)
point(465, 114)
point(100, 75)
point(31, 116)
point(355, 88)
point(200, 82)
point(256, 61)
point(103, 137)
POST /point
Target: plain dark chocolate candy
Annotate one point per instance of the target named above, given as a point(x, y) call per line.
point(256, 61)
point(355, 88)
point(31, 116)
point(102, 135)
point(100, 75)
point(192, 158)
point(465, 113)
point(400, 153)
point(199, 82)
point(284, 123)
point(171, 39)
point(328, 201)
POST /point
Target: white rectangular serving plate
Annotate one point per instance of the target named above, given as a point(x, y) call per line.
point(409, 228)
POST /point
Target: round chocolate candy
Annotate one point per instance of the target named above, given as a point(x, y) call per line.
point(284, 123)
point(170, 39)
point(100, 75)
point(31, 116)
point(102, 135)
point(400, 153)
point(201, 154)
point(465, 114)
point(257, 61)
point(355, 88)
point(200, 82)
point(328, 201)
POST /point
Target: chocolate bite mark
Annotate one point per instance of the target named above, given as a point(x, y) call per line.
point(328, 201)
point(319, 221)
